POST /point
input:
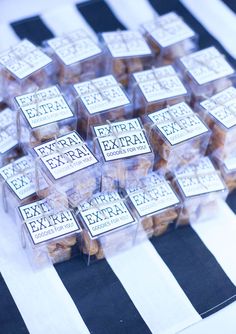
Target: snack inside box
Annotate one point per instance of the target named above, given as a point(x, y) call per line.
point(156, 88)
point(124, 152)
point(67, 163)
point(199, 186)
point(18, 183)
point(170, 37)
point(43, 114)
point(24, 67)
point(100, 100)
point(77, 56)
point(207, 72)
point(219, 112)
point(228, 171)
point(177, 134)
point(48, 234)
point(108, 225)
point(154, 203)
point(126, 51)
point(9, 145)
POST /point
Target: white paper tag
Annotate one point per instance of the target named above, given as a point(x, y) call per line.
point(168, 29)
point(8, 138)
point(20, 177)
point(199, 178)
point(159, 83)
point(178, 123)
point(24, 59)
point(223, 107)
point(44, 107)
point(101, 94)
point(74, 47)
point(105, 213)
point(230, 163)
point(44, 223)
point(122, 139)
point(207, 65)
point(127, 43)
point(65, 156)
point(154, 195)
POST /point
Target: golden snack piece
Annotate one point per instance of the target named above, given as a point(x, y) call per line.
point(122, 68)
point(165, 217)
point(134, 65)
point(43, 193)
point(86, 70)
point(160, 229)
point(100, 254)
point(230, 182)
point(119, 67)
point(147, 223)
point(184, 217)
point(62, 243)
point(60, 254)
point(60, 250)
point(85, 189)
point(89, 247)
point(65, 129)
point(46, 132)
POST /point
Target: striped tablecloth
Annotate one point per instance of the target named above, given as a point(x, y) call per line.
point(164, 286)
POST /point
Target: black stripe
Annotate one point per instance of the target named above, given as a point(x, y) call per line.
point(100, 298)
point(231, 4)
point(32, 28)
point(11, 321)
point(231, 201)
point(205, 38)
point(99, 16)
point(196, 270)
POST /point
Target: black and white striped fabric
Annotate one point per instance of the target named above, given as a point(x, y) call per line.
point(163, 286)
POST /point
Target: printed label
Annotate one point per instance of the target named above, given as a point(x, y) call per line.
point(20, 177)
point(178, 123)
point(122, 139)
point(126, 43)
point(44, 224)
point(24, 59)
point(223, 107)
point(74, 47)
point(105, 213)
point(159, 83)
point(230, 163)
point(7, 130)
point(44, 106)
point(153, 195)
point(207, 65)
point(168, 29)
point(101, 94)
point(66, 155)
point(200, 178)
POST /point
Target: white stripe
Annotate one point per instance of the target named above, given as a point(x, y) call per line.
point(63, 19)
point(218, 323)
point(40, 296)
point(219, 236)
point(132, 13)
point(153, 289)
point(217, 18)
point(7, 37)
